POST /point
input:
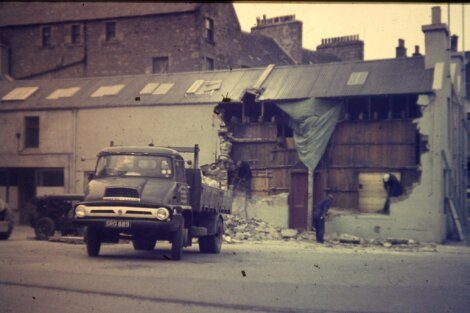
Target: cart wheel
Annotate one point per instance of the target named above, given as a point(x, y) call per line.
point(213, 243)
point(45, 227)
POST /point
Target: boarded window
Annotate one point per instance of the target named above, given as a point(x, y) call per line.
point(107, 91)
point(20, 93)
point(46, 36)
point(209, 29)
point(50, 177)
point(209, 87)
point(63, 93)
point(31, 130)
point(110, 31)
point(75, 34)
point(160, 65)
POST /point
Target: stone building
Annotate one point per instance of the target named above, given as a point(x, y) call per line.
point(58, 40)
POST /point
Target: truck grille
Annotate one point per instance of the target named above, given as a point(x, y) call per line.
point(121, 193)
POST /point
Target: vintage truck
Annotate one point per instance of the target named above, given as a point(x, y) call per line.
point(146, 194)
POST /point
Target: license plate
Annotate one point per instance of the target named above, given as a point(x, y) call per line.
point(117, 224)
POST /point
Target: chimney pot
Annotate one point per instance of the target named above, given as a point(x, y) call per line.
point(401, 43)
point(454, 40)
point(436, 15)
point(416, 53)
point(401, 50)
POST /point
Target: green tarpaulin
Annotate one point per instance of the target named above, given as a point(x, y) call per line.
point(313, 122)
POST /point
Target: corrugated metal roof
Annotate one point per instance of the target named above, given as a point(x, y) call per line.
point(391, 76)
point(234, 83)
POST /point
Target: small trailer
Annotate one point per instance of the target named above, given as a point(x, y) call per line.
point(51, 213)
point(146, 194)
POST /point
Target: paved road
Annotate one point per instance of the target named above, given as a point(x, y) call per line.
point(271, 277)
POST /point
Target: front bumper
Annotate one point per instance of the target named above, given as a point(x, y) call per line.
point(132, 225)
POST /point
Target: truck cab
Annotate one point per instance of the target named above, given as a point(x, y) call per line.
point(146, 194)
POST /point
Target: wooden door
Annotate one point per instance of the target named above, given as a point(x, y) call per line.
point(298, 203)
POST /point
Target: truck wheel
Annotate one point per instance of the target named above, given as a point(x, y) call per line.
point(5, 236)
point(93, 241)
point(45, 228)
point(213, 243)
point(177, 243)
point(144, 244)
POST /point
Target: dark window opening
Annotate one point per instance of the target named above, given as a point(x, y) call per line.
point(209, 29)
point(382, 107)
point(50, 177)
point(46, 36)
point(160, 65)
point(209, 64)
point(75, 34)
point(110, 31)
point(31, 139)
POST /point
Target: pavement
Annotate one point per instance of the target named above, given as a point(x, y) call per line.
point(268, 276)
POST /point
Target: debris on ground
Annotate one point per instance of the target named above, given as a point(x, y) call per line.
point(239, 229)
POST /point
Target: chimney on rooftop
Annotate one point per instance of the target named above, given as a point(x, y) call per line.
point(436, 40)
point(454, 41)
point(416, 54)
point(286, 31)
point(436, 15)
point(346, 48)
point(401, 50)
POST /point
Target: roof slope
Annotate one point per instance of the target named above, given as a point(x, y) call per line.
point(315, 57)
point(330, 80)
point(259, 50)
point(27, 13)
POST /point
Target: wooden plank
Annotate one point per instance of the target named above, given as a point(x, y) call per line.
point(456, 219)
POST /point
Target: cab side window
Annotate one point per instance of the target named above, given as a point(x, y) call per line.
point(179, 170)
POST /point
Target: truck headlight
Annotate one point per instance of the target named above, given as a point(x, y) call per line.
point(80, 211)
point(162, 213)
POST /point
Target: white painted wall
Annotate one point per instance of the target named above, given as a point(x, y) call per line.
point(175, 125)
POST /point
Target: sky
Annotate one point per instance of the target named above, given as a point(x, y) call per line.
point(378, 25)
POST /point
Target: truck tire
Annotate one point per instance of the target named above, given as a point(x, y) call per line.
point(212, 243)
point(177, 240)
point(44, 228)
point(93, 241)
point(5, 236)
point(144, 244)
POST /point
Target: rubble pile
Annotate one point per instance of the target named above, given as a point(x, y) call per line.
point(238, 229)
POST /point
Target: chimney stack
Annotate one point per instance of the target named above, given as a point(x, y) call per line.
point(286, 31)
point(454, 41)
point(401, 50)
point(416, 54)
point(436, 40)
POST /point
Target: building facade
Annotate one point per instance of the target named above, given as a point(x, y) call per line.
point(59, 40)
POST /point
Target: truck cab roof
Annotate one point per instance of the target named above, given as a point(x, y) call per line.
point(139, 150)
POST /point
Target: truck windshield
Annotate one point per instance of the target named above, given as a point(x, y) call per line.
point(134, 165)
